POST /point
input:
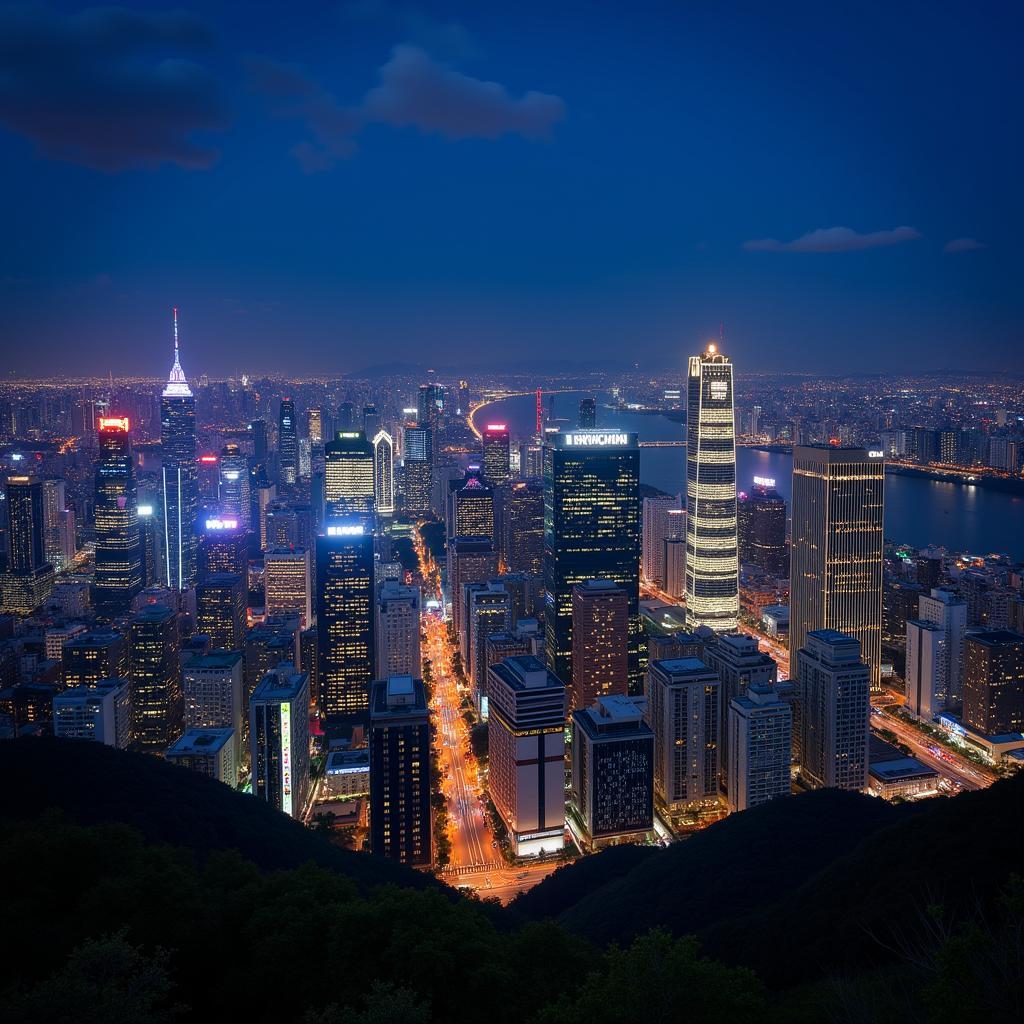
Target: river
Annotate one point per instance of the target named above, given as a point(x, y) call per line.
point(918, 511)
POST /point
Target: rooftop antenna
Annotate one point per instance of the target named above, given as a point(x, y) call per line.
point(721, 332)
point(175, 333)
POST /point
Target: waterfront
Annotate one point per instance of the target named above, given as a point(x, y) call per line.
point(918, 511)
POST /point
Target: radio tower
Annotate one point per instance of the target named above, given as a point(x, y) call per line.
point(540, 414)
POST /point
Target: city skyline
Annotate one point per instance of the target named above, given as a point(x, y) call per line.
point(809, 202)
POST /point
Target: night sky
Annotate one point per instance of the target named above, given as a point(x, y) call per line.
point(461, 184)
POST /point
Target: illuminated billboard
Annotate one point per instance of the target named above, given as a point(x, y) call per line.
point(114, 423)
point(595, 439)
point(345, 530)
point(221, 523)
point(286, 758)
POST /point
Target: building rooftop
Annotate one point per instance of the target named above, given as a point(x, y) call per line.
point(200, 741)
point(342, 762)
point(901, 769)
point(683, 667)
point(526, 672)
point(281, 683)
point(216, 660)
point(996, 637)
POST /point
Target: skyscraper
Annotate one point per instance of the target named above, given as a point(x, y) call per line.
point(287, 442)
point(212, 692)
point(418, 465)
point(925, 678)
point(712, 565)
point(526, 753)
point(224, 548)
point(591, 530)
point(497, 453)
point(92, 657)
point(612, 778)
point(522, 527)
point(279, 739)
point(761, 515)
point(949, 612)
point(220, 610)
point(488, 611)
point(837, 550)
point(994, 682)
point(349, 477)
point(345, 619)
point(55, 547)
point(470, 509)
point(155, 671)
point(834, 700)
point(29, 577)
point(384, 472)
point(102, 713)
point(234, 496)
point(118, 575)
point(397, 633)
point(760, 728)
point(663, 519)
point(178, 470)
point(400, 771)
point(600, 640)
point(286, 583)
point(588, 414)
point(470, 560)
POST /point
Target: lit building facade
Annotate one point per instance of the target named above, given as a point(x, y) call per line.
point(279, 740)
point(349, 470)
point(397, 633)
point(591, 530)
point(28, 581)
point(118, 576)
point(761, 516)
point(234, 497)
point(287, 442)
point(286, 583)
point(712, 562)
point(759, 751)
point(663, 519)
point(418, 467)
point(209, 751)
point(384, 472)
point(154, 668)
point(497, 453)
point(600, 643)
point(102, 713)
point(994, 682)
point(837, 553)
point(522, 527)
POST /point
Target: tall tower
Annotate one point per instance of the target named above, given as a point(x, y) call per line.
point(497, 453)
point(234, 484)
point(287, 442)
point(180, 481)
point(384, 472)
point(118, 554)
point(836, 560)
point(712, 563)
point(349, 477)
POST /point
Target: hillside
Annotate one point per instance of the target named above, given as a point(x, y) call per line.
point(92, 784)
point(799, 886)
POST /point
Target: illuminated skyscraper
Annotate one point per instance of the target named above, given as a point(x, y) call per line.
point(430, 405)
point(496, 453)
point(588, 414)
point(234, 484)
point(522, 527)
point(287, 443)
point(155, 671)
point(400, 771)
point(600, 629)
point(397, 633)
point(279, 739)
point(180, 482)
point(836, 561)
point(118, 575)
point(286, 582)
point(345, 619)
point(94, 656)
point(418, 464)
point(663, 519)
point(384, 472)
point(994, 682)
point(470, 509)
point(28, 580)
point(224, 548)
point(762, 527)
point(55, 547)
point(349, 477)
point(759, 726)
point(591, 530)
point(712, 565)
point(220, 611)
point(315, 425)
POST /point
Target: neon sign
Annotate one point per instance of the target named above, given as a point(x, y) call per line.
point(114, 423)
point(764, 481)
point(344, 531)
point(145, 510)
point(599, 440)
point(286, 758)
point(876, 455)
point(222, 524)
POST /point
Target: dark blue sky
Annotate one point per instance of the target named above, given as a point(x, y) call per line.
point(461, 183)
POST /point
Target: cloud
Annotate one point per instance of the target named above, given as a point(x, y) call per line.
point(449, 40)
point(834, 240)
point(98, 89)
point(963, 245)
point(414, 91)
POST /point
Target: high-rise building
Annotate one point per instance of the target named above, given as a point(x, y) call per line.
point(761, 516)
point(488, 611)
point(155, 671)
point(470, 560)
point(760, 728)
point(470, 508)
point(683, 713)
point(91, 657)
point(55, 546)
point(118, 576)
point(834, 700)
point(384, 472)
point(180, 483)
point(268, 645)
point(212, 690)
point(430, 404)
point(712, 565)
point(279, 739)
point(28, 581)
point(150, 545)
point(224, 548)
point(258, 435)
point(286, 583)
point(522, 527)
point(588, 414)
point(663, 519)
point(675, 565)
point(925, 678)
point(837, 553)
point(207, 751)
point(738, 662)
point(349, 477)
point(418, 466)
point(612, 778)
point(526, 753)
point(220, 610)
point(234, 498)
point(346, 417)
point(600, 641)
point(497, 453)
point(345, 619)
point(994, 682)
point(397, 633)
point(591, 531)
point(400, 771)
point(102, 713)
point(287, 442)
point(947, 610)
